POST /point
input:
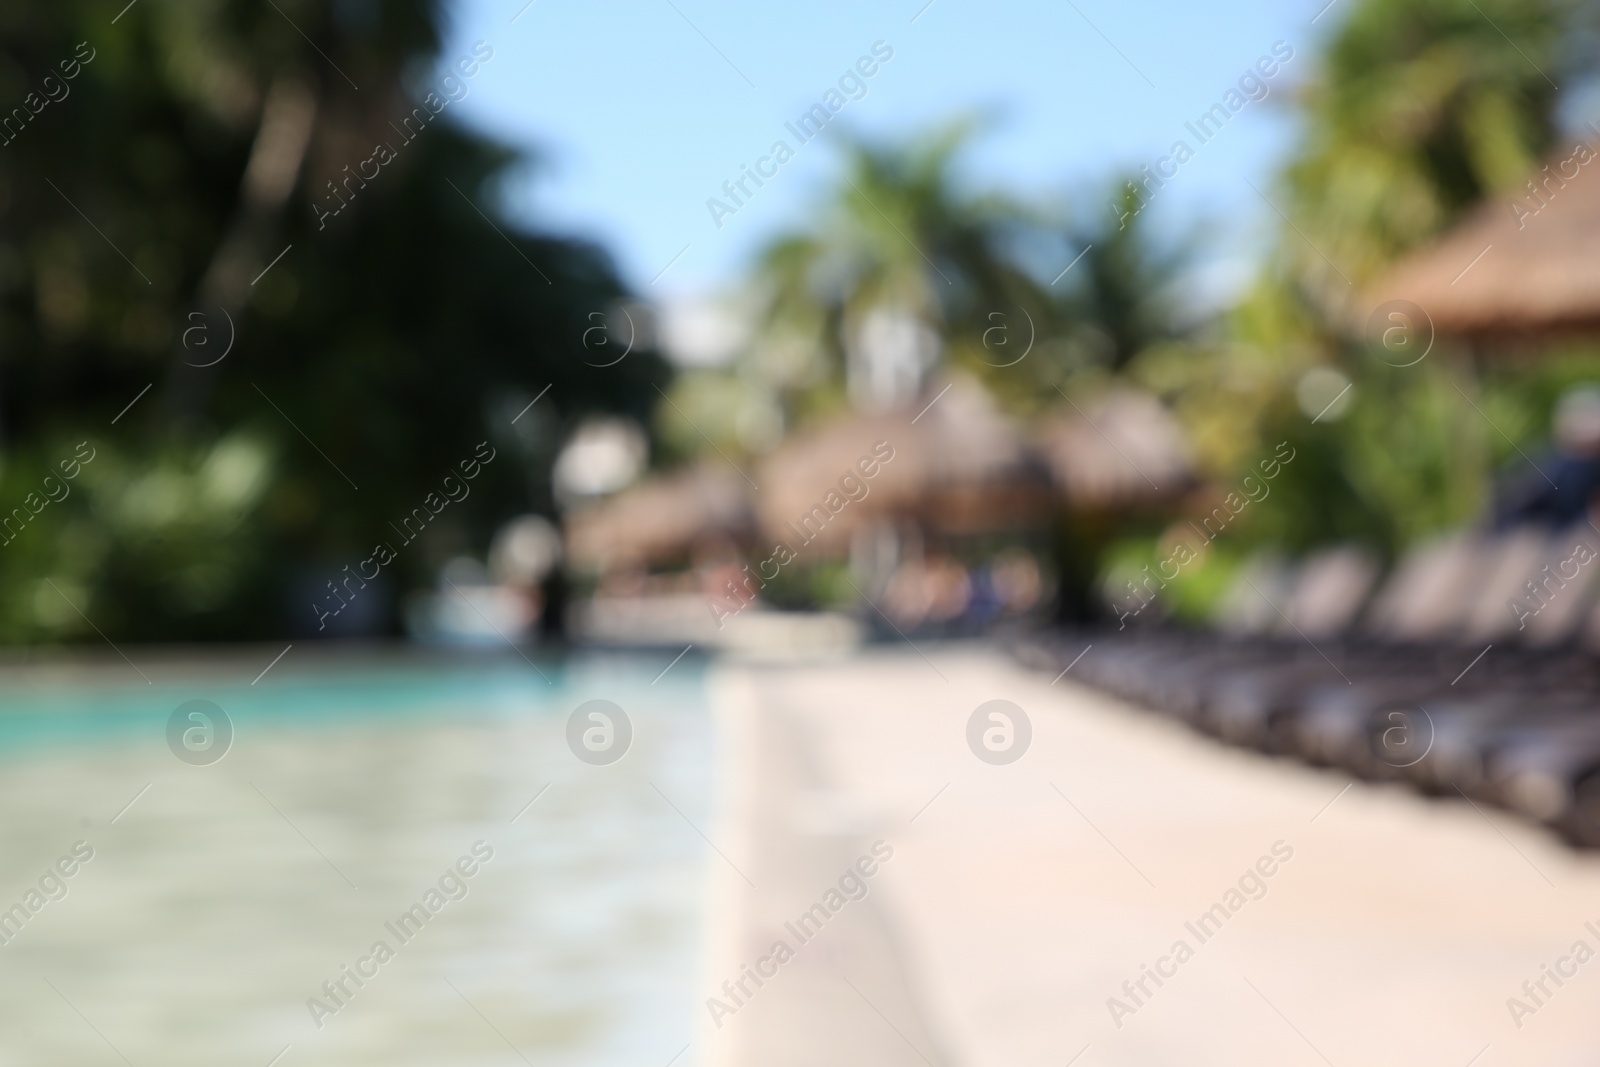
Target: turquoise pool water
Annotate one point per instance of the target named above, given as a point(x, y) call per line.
point(220, 899)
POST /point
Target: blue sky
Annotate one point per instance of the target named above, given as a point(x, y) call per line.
point(638, 110)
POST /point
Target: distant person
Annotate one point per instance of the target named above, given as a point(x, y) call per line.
point(1559, 493)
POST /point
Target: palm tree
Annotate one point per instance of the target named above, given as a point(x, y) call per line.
point(903, 267)
point(1124, 283)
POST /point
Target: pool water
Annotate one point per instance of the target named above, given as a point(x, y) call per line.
point(219, 902)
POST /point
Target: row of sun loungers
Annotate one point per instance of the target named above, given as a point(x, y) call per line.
point(1471, 668)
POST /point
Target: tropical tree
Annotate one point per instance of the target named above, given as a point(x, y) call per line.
point(1124, 285)
point(197, 177)
point(902, 258)
point(1414, 113)
point(1417, 111)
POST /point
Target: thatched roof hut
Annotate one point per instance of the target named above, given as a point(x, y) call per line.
point(957, 466)
point(660, 519)
point(1519, 265)
point(1122, 450)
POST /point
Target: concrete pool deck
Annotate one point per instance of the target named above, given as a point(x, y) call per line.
point(1019, 899)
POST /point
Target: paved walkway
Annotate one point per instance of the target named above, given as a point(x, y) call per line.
point(1020, 898)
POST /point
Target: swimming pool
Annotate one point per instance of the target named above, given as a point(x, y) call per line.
point(231, 912)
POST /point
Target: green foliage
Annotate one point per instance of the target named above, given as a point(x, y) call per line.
point(1133, 565)
point(898, 233)
point(1419, 109)
point(901, 233)
point(387, 342)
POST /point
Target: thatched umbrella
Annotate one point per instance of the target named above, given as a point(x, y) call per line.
point(659, 520)
point(1120, 451)
point(957, 466)
point(1518, 265)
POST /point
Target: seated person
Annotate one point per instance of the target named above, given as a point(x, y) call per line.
point(1558, 493)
